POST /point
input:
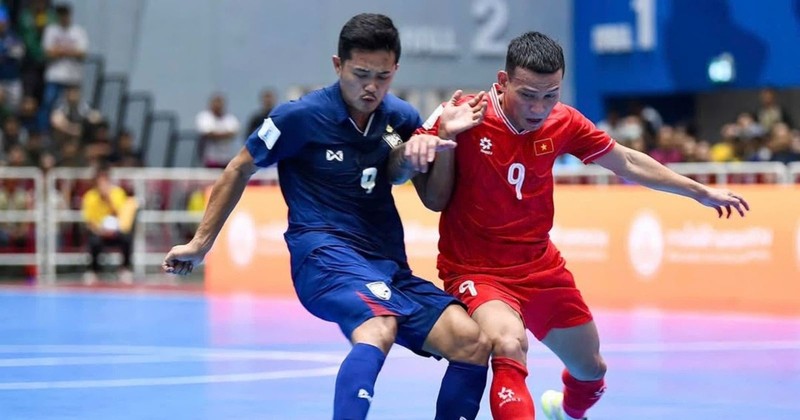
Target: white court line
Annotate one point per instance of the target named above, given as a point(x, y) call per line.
point(153, 354)
point(171, 380)
point(199, 352)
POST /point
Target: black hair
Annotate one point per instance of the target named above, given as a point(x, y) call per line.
point(536, 52)
point(63, 9)
point(369, 32)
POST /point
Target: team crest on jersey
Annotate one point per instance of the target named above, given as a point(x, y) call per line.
point(486, 145)
point(392, 138)
point(380, 289)
point(543, 147)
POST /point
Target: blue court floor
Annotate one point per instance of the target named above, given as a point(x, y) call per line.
point(82, 354)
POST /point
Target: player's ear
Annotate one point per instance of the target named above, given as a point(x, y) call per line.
point(502, 78)
point(337, 64)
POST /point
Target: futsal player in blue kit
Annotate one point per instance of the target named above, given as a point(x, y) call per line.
point(339, 150)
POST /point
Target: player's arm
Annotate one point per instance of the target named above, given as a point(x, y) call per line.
point(225, 194)
point(644, 170)
point(429, 159)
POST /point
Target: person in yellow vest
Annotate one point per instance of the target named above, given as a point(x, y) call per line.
point(108, 213)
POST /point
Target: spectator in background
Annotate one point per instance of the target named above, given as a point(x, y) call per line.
point(612, 125)
point(12, 51)
point(747, 126)
point(267, 103)
point(780, 144)
point(27, 114)
point(668, 149)
point(218, 130)
point(13, 133)
point(108, 214)
point(125, 153)
point(15, 197)
point(71, 119)
point(33, 19)
point(729, 146)
point(65, 45)
point(770, 112)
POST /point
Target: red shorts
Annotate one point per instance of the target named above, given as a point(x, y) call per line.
point(545, 298)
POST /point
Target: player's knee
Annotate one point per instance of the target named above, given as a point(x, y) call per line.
point(470, 345)
point(510, 346)
point(480, 348)
point(592, 369)
point(379, 332)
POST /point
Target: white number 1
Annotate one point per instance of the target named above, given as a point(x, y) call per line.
point(516, 176)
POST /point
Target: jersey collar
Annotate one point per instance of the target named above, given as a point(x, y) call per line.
point(494, 95)
point(341, 113)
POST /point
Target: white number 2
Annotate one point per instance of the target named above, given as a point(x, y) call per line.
point(468, 285)
point(368, 179)
point(516, 176)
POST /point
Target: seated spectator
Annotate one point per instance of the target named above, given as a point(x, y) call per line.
point(14, 196)
point(73, 118)
point(726, 150)
point(669, 147)
point(125, 153)
point(109, 215)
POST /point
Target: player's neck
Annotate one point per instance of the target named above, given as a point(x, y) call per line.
point(506, 113)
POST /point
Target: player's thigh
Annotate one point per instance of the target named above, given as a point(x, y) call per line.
point(456, 336)
point(579, 348)
point(553, 301)
point(338, 285)
point(432, 303)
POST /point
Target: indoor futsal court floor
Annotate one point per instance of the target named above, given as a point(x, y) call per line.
point(134, 354)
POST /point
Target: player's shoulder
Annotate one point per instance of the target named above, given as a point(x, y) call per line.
point(564, 115)
point(395, 106)
point(303, 110)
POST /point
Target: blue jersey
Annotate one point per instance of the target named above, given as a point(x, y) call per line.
point(333, 176)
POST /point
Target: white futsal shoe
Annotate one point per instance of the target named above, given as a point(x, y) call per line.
point(553, 406)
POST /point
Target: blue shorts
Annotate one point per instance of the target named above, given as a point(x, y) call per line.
point(339, 285)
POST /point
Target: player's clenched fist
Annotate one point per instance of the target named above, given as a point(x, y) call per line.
point(182, 259)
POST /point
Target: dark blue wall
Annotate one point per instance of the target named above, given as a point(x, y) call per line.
point(762, 35)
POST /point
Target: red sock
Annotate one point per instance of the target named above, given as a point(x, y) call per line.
point(509, 397)
point(579, 396)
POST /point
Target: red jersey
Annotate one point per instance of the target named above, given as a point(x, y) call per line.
point(500, 214)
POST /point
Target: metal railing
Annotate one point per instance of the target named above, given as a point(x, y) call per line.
point(36, 215)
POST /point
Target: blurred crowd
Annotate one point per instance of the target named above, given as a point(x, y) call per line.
point(763, 134)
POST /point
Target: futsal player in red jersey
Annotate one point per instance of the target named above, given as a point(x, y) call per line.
point(496, 199)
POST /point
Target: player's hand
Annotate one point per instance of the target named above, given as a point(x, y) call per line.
point(420, 150)
point(457, 118)
point(182, 259)
point(720, 199)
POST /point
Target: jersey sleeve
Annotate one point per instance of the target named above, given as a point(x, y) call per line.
point(587, 142)
point(279, 137)
point(407, 120)
point(431, 125)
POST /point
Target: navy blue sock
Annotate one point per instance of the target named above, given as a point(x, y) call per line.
point(355, 382)
point(461, 391)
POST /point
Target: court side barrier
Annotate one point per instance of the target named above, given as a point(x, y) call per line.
point(163, 209)
point(36, 254)
point(627, 246)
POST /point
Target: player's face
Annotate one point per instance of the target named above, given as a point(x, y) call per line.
point(529, 97)
point(364, 79)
